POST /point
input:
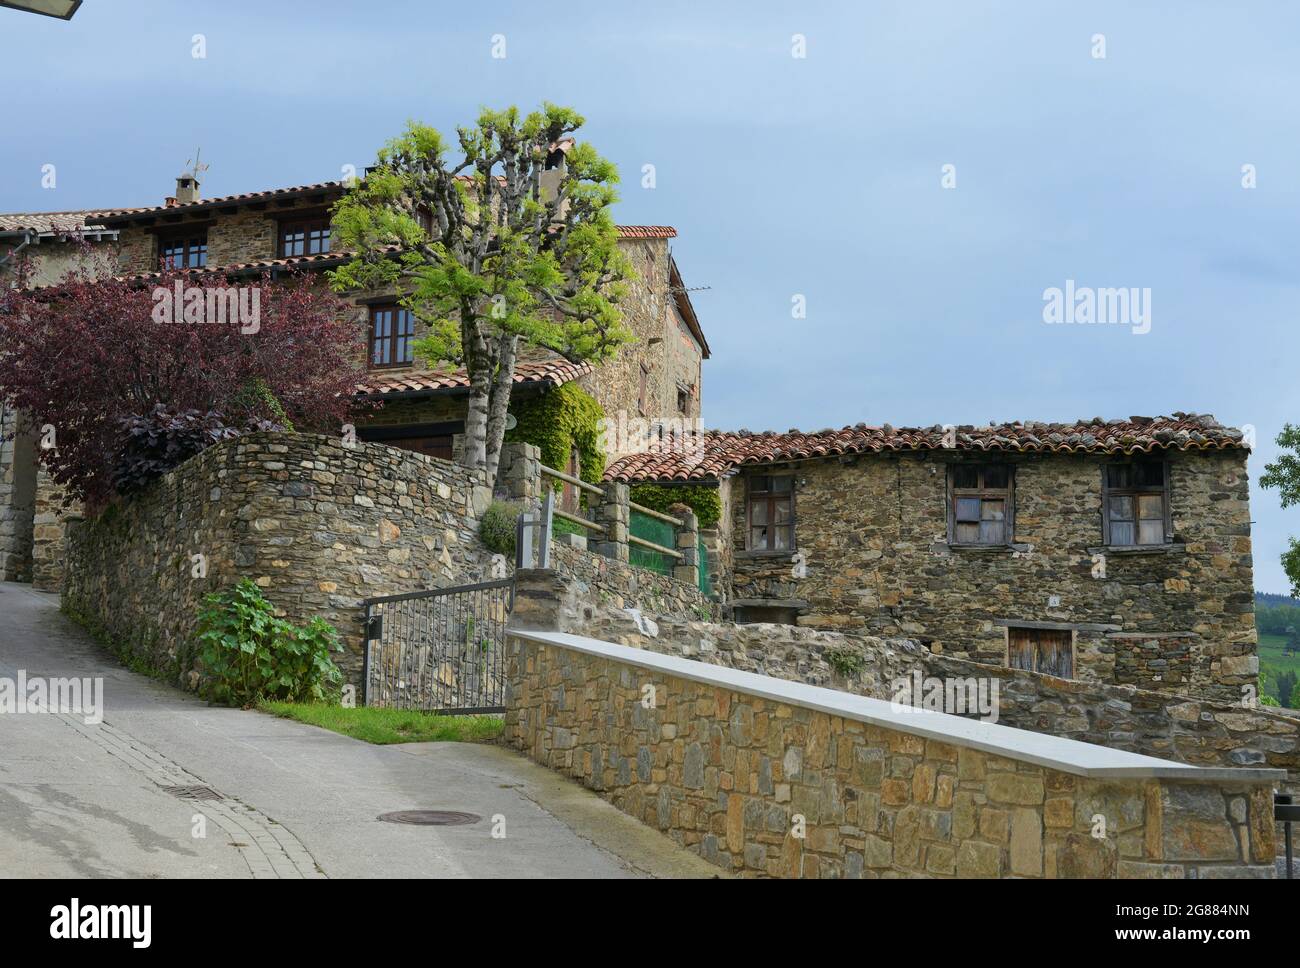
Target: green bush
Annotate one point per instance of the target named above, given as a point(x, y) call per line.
point(846, 662)
point(703, 500)
point(249, 655)
point(496, 529)
point(558, 421)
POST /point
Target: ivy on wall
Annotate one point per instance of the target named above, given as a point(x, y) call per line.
point(700, 498)
point(556, 422)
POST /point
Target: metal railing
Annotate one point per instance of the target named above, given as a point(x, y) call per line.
point(439, 651)
point(1286, 812)
point(583, 487)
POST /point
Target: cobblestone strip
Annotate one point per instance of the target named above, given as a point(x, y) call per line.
point(269, 848)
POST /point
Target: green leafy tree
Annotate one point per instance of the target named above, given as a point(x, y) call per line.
point(1286, 689)
point(510, 242)
point(1284, 474)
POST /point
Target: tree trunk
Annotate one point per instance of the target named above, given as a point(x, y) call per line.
point(498, 405)
point(479, 369)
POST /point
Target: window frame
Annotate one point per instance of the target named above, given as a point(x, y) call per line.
point(982, 492)
point(769, 498)
point(187, 239)
point(307, 224)
point(1133, 491)
point(1035, 636)
point(372, 311)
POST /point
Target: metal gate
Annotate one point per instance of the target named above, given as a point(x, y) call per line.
point(439, 651)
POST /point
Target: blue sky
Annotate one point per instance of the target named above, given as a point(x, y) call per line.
point(818, 176)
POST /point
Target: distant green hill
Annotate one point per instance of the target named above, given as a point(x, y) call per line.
point(1277, 620)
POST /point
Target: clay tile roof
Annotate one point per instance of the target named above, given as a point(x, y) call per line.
point(322, 260)
point(647, 232)
point(51, 223)
point(243, 198)
point(715, 454)
point(332, 187)
point(553, 372)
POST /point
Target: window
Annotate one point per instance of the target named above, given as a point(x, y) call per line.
point(770, 614)
point(771, 513)
point(437, 446)
point(1049, 651)
point(305, 237)
point(684, 395)
point(188, 251)
point(432, 439)
point(1135, 505)
point(980, 509)
point(392, 332)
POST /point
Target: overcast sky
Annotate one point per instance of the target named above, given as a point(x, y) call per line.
point(819, 176)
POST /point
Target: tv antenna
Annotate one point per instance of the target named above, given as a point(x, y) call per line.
point(192, 166)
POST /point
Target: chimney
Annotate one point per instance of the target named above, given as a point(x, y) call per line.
point(187, 188)
point(553, 173)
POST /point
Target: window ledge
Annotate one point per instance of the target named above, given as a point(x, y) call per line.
point(978, 549)
point(1171, 548)
point(789, 555)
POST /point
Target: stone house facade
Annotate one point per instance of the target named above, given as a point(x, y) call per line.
point(50, 244)
point(656, 376)
point(1112, 551)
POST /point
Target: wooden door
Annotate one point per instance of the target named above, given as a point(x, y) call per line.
point(1049, 651)
point(439, 446)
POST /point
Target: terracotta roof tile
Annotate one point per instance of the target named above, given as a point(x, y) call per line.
point(647, 232)
point(51, 223)
point(554, 372)
point(219, 200)
point(625, 231)
point(717, 453)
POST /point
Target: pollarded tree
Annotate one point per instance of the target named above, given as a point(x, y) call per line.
point(512, 242)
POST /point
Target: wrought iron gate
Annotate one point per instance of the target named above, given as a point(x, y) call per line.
point(439, 651)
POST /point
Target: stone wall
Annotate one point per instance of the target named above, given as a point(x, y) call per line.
point(50, 519)
point(1197, 732)
point(656, 343)
point(871, 531)
point(758, 782)
point(318, 526)
point(17, 497)
point(606, 582)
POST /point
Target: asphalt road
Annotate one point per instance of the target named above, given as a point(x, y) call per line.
point(130, 796)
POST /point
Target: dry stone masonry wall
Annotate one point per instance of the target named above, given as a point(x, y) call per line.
point(1194, 731)
point(872, 530)
point(319, 526)
point(769, 788)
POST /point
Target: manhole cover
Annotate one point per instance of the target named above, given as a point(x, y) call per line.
point(430, 818)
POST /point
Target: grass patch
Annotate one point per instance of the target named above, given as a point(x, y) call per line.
point(1274, 661)
point(378, 725)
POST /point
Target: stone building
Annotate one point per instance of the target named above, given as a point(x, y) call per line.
point(1115, 551)
point(50, 244)
point(657, 376)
